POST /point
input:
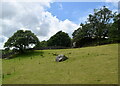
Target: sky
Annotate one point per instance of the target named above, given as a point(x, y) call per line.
point(45, 18)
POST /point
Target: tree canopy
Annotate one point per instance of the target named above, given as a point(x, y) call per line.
point(22, 40)
point(100, 21)
point(60, 39)
point(102, 24)
point(43, 44)
point(114, 32)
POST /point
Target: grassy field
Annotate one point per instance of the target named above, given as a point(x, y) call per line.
point(89, 65)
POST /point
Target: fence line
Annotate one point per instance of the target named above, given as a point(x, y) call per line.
point(51, 47)
point(7, 55)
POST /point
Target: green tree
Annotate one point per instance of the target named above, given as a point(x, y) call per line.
point(60, 39)
point(96, 27)
point(82, 34)
point(22, 40)
point(114, 32)
point(83, 31)
point(43, 43)
point(100, 22)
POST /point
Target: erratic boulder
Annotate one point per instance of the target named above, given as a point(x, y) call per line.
point(60, 58)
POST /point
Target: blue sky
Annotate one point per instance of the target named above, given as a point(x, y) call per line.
point(76, 11)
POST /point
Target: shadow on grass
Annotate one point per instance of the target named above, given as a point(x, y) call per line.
point(28, 54)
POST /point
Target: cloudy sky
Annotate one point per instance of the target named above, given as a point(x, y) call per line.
point(45, 18)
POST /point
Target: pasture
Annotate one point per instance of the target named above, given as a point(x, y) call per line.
point(87, 65)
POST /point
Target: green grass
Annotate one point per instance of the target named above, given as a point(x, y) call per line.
point(89, 65)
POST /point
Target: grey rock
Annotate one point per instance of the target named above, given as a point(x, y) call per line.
point(60, 58)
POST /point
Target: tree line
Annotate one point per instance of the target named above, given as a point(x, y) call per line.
point(101, 27)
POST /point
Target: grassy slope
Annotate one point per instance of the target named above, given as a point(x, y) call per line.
point(90, 65)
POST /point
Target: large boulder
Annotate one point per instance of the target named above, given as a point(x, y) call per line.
point(60, 58)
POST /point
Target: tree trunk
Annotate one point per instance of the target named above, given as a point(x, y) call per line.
point(21, 50)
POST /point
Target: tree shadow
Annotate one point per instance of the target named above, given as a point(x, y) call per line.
point(28, 54)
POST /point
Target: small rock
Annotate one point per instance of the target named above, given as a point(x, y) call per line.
point(7, 58)
point(60, 58)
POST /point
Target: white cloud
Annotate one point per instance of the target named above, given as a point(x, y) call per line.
point(111, 0)
point(114, 3)
point(34, 17)
point(3, 39)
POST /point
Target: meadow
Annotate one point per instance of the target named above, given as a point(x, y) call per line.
point(87, 65)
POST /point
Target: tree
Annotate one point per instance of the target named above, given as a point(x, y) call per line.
point(114, 32)
point(82, 35)
point(22, 40)
point(43, 43)
point(96, 28)
point(60, 39)
point(83, 31)
point(100, 22)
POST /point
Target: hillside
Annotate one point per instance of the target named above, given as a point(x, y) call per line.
point(89, 65)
